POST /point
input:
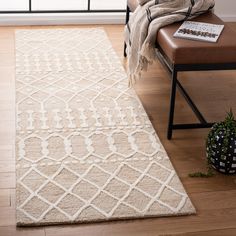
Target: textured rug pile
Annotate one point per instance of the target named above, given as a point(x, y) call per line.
point(85, 148)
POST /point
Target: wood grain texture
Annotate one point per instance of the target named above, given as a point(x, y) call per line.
point(5, 198)
point(225, 232)
point(204, 221)
point(12, 230)
point(213, 198)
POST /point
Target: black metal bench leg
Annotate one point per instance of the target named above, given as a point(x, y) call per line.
point(126, 21)
point(172, 104)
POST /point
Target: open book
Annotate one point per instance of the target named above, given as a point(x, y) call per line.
point(199, 31)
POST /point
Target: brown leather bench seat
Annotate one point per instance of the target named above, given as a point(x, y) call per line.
point(188, 55)
point(183, 51)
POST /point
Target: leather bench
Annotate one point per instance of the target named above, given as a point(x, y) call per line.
point(188, 55)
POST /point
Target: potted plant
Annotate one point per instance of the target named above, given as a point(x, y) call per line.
point(221, 148)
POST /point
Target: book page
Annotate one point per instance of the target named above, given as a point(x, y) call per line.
point(199, 31)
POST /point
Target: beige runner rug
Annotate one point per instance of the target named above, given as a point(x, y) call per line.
point(85, 148)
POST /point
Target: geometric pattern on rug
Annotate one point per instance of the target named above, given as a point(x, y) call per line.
point(85, 148)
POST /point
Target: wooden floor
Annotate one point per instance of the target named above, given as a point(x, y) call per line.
point(214, 198)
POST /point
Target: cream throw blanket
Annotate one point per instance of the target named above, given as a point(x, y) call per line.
point(148, 18)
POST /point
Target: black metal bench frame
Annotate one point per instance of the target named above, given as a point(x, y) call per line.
point(174, 69)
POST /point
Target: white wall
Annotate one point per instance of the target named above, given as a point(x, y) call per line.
point(62, 18)
point(226, 9)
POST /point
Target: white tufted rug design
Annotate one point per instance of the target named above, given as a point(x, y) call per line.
point(85, 148)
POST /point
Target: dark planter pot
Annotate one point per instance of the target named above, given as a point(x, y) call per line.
point(224, 163)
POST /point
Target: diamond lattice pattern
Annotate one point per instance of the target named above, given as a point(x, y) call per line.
point(86, 150)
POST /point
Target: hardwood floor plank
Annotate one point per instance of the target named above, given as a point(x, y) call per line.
point(13, 198)
point(14, 231)
point(6, 59)
point(8, 125)
point(7, 216)
point(8, 137)
point(7, 33)
point(7, 166)
point(6, 45)
point(7, 115)
point(220, 232)
point(6, 148)
point(7, 76)
point(203, 221)
point(215, 200)
point(214, 184)
point(6, 154)
point(7, 180)
point(5, 198)
point(6, 95)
